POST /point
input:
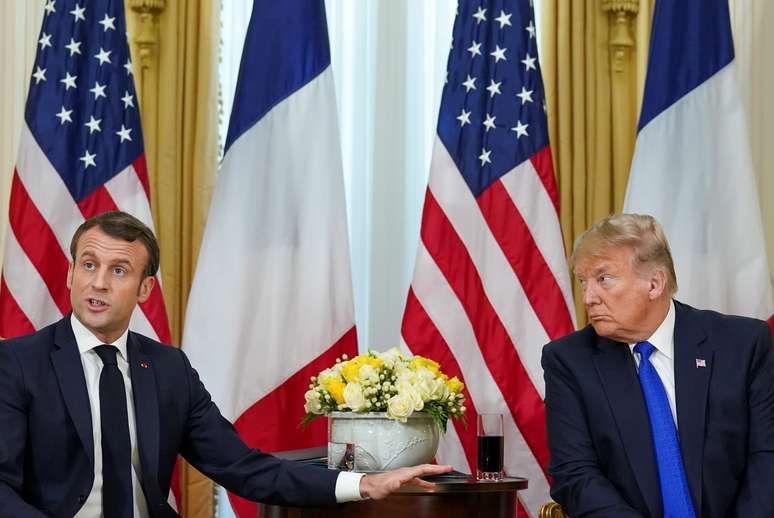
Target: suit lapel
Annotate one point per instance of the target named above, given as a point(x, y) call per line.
point(617, 372)
point(66, 360)
point(146, 415)
point(691, 391)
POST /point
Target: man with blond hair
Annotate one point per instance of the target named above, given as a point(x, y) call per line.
point(656, 408)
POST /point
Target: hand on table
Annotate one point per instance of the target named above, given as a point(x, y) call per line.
point(382, 484)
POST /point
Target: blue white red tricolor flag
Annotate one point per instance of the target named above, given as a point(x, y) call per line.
point(692, 167)
point(80, 153)
point(491, 284)
point(271, 302)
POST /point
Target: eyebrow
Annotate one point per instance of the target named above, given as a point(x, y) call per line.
point(87, 254)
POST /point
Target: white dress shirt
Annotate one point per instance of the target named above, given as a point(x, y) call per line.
point(92, 368)
point(663, 358)
point(347, 484)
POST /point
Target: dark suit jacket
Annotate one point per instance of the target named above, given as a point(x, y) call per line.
point(46, 443)
point(602, 459)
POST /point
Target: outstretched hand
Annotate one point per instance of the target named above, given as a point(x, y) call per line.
point(382, 484)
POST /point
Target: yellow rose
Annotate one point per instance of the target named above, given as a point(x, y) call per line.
point(455, 385)
point(418, 362)
point(335, 388)
point(351, 369)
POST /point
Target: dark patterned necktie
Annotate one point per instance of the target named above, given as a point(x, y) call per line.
point(116, 447)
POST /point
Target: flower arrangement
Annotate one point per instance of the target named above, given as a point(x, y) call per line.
point(385, 382)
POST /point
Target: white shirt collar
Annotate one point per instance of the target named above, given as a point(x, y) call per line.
point(87, 341)
point(663, 337)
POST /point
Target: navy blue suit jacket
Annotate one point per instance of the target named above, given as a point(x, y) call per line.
point(46, 442)
point(602, 459)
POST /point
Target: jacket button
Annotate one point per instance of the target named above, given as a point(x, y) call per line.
point(81, 499)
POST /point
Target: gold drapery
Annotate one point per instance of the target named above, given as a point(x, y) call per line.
point(175, 57)
point(594, 58)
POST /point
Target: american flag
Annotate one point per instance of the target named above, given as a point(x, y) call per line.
point(491, 284)
point(81, 153)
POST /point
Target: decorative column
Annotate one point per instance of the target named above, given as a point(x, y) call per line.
point(142, 19)
point(621, 44)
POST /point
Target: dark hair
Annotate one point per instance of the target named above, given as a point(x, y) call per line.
point(124, 226)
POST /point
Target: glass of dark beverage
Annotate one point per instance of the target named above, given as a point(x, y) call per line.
point(490, 445)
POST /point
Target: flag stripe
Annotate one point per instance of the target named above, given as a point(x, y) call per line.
point(528, 192)
point(128, 192)
point(286, 400)
point(140, 167)
point(97, 202)
point(39, 243)
point(13, 321)
point(448, 316)
point(515, 239)
point(46, 187)
point(27, 286)
point(419, 330)
point(451, 256)
point(501, 285)
point(544, 166)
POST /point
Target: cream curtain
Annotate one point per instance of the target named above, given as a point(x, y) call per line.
point(175, 56)
point(593, 57)
point(19, 29)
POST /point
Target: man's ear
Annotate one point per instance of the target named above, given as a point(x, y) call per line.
point(70, 270)
point(146, 286)
point(657, 283)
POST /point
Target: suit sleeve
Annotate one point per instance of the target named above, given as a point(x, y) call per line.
point(13, 438)
point(755, 497)
point(578, 483)
point(214, 447)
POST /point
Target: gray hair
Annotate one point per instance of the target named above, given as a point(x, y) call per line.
point(640, 233)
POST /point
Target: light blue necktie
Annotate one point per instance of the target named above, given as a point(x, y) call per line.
point(675, 495)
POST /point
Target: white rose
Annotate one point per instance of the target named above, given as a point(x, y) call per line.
point(327, 373)
point(369, 374)
point(399, 407)
point(409, 391)
point(312, 405)
point(425, 389)
point(423, 373)
point(438, 390)
point(354, 397)
point(390, 357)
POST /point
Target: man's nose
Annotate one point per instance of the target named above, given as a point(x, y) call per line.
point(589, 294)
point(100, 280)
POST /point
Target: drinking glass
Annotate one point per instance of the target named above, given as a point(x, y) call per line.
point(490, 444)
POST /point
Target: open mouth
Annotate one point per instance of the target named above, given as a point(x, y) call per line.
point(97, 304)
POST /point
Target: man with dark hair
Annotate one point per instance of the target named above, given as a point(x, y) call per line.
point(93, 416)
point(656, 408)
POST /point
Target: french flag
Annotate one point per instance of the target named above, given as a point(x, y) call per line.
point(271, 302)
point(692, 166)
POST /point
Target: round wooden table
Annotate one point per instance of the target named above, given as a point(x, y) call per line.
point(456, 498)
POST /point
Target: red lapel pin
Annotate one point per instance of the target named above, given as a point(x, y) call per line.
point(144, 364)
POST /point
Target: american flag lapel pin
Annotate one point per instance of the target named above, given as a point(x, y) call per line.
point(700, 363)
point(145, 364)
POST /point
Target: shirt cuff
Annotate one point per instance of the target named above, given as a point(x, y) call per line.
point(348, 486)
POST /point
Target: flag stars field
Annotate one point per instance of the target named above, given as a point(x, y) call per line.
point(491, 283)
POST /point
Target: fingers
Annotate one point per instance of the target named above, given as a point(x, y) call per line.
point(423, 483)
point(430, 469)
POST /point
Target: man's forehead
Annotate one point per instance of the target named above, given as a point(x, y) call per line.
point(96, 242)
point(604, 260)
